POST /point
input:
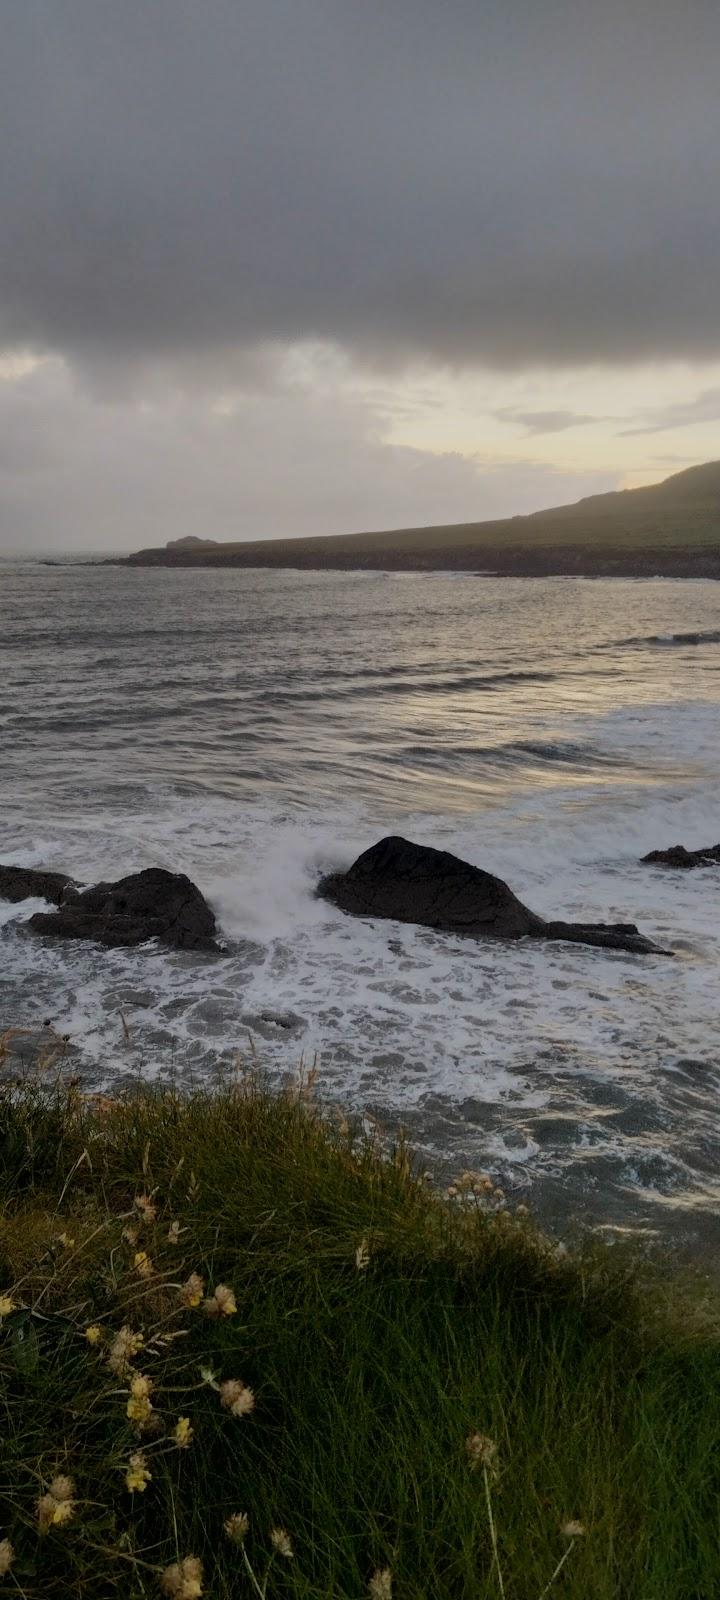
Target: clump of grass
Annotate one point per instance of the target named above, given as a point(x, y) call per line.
point(245, 1353)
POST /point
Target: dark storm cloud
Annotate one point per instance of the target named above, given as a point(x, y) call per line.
point(508, 182)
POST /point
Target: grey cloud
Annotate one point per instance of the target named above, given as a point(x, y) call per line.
point(686, 413)
point(509, 183)
point(539, 422)
point(79, 474)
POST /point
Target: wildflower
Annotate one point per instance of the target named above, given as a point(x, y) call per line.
point(237, 1526)
point(57, 1506)
point(362, 1256)
point(173, 1235)
point(65, 1240)
point(487, 1185)
point(236, 1397)
point(130, 1235)
point(183, 1433)
point(209, 1377)
point(481, 1451)
point(62, 1488)
point(193, 1193)
point(573, 1530)
point(521, 1211)
point(7, 1556)
point(125, 1345)
point(192, 1291)
point(222, 1303)
point(139, 1406)
point(94, 1333)
point(498, 1194)
point(7, 1304)
point(184, 1579)
point(142, 1264)
point(451, 1191)
point(138, 1475)
point(469, 1180)
point(380, 1585)
point(144, 1205)
point(280, 1541)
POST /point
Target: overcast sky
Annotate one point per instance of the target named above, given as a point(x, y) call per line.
point(274, 267)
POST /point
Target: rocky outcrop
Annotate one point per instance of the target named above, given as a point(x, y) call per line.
point(153, 904)
point(27, 883)
point(414, 883)
point(681, 859)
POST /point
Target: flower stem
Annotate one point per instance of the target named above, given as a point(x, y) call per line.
point(558, 1568)
point(493, 1534)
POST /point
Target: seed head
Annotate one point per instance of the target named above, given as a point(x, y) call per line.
point(280, 1541)
point(184, 1579)
point(482, 1451)
point(192, 1291)
point(7, 1304)
point(222, 1303)
point(124, 1347)
point(7, 1556)
point(142, 1264)
point(148, 1212)
point(174, 1233)
point(62, 1489)
point(362, 1256)
point(236, 1397)
point(237, 1526)
point(57, 1507)
point(380, 1585)
point(573, 1530)
point(94, 1333)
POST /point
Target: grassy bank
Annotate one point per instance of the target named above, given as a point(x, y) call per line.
point(423, 1393)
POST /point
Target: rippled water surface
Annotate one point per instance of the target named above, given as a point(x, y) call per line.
point(256, 728)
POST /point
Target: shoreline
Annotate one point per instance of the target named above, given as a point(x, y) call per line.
point(510, 564)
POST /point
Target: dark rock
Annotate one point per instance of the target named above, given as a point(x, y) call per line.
point(153, 904)
point(25, 883)
point(415, 883)
point(677, 856)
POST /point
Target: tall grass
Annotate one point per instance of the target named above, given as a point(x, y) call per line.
point(427, 1393)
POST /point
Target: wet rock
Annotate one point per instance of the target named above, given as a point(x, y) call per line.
point(409, 882)
point(27, 883)
point(153, 904)
point(681, 859)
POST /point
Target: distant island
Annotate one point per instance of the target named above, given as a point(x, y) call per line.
point(671, 529)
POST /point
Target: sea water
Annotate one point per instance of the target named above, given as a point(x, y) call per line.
point(255, 729)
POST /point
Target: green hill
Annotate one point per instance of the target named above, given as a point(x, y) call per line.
point(671, 528)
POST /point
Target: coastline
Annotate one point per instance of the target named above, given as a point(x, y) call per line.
point(497, 563)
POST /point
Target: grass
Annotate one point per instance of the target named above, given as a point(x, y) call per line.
point(437, 1390)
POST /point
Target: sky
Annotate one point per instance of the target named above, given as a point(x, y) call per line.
point(281, 267)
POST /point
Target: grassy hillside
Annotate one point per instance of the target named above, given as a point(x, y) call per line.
point(675, 521)
point(242, 1354)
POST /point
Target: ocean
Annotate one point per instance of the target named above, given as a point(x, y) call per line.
point(255, 729)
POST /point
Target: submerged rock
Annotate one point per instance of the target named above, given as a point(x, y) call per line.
point(409, 882)
point(677, 856)
point(27, 883)
point(153, 904)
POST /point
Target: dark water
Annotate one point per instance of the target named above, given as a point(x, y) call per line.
point(256, 728)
